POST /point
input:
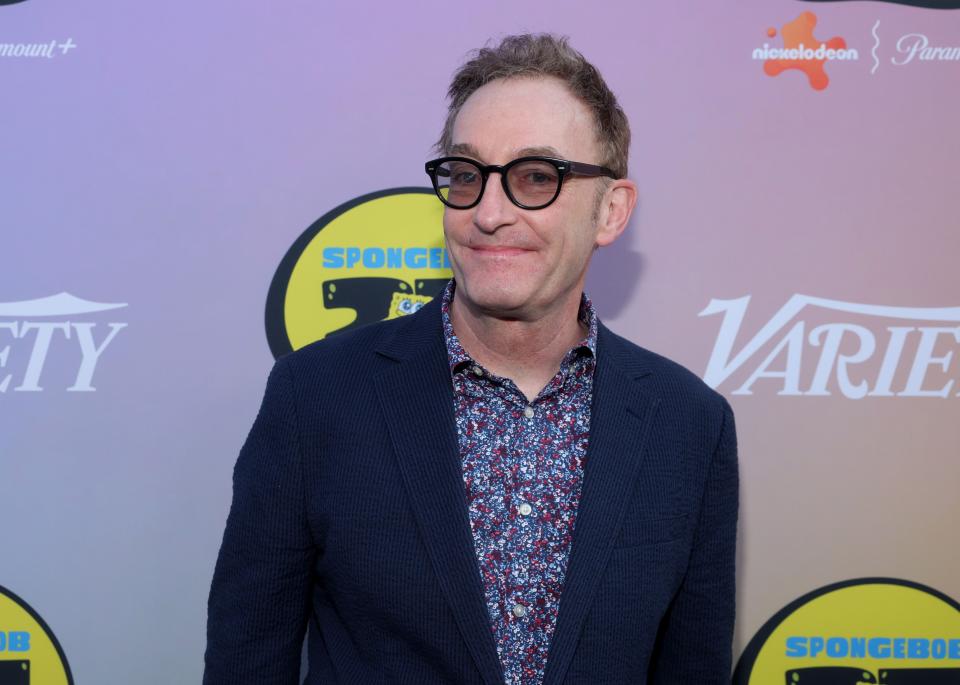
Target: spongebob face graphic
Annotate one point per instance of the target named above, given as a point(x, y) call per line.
point(406, 303)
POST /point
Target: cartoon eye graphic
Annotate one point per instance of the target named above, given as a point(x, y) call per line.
point(405, 306)
point(416, 307)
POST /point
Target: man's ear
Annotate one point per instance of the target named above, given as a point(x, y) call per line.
point(617, 205)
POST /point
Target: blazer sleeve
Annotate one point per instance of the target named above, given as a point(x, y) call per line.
point(260, 596)
point(697, 632)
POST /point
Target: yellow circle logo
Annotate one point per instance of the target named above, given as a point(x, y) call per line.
point(376, 257)
point(29, 652)
point(871, 630)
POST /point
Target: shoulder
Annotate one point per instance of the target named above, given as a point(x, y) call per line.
point(673, 382)
point(364, 350)
point(689, 413)
point(339, 347)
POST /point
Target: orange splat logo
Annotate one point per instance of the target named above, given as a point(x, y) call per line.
point(802, 51)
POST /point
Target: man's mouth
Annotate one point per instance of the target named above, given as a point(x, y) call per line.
point(499, 250)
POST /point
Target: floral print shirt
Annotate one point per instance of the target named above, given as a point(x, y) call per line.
point(522, 468)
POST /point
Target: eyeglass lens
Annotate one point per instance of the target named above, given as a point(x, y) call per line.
point(532, 183)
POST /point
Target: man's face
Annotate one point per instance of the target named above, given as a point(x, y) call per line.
point(512, 262)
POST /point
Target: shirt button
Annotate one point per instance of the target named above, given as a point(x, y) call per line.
point(528, 411)
point(519, 610)
point(525, 509)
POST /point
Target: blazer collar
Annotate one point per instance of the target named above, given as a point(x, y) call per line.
point(416, 396)
point(416, 335)
point(623, 409)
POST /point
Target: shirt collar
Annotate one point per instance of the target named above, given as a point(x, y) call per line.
point(458, 357)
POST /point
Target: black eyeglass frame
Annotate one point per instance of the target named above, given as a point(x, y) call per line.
point(564, 168)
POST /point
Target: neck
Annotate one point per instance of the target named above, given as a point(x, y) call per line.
point(527, 351)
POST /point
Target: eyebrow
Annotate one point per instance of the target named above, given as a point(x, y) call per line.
point(465, 149)
point(542, 151)
point(470, 151)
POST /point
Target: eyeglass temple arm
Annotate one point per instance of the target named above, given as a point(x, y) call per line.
point(582, 169)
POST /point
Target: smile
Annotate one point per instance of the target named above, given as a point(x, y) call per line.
point(500, 251)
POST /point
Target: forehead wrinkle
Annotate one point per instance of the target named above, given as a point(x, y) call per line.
point(469, 150)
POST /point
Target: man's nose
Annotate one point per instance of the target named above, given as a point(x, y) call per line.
point(494, 209)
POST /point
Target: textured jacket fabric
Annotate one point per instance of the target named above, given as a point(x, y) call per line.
point(349, 521)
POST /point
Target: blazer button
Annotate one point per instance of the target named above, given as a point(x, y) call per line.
point(519, 610)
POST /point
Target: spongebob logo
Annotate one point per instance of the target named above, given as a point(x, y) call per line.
point(378, 256)
point(802, 51)
point(865, 631)
point(29, 651)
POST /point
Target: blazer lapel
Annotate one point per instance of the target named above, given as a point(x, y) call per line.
point(417, 399)
point(621, 414)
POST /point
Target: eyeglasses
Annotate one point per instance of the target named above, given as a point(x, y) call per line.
point(529, 182)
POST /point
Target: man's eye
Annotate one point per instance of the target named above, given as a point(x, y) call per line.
point(465, 177)
point(538, 178)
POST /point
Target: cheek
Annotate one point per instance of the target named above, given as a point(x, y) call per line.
point(575, 224)
point(571, 242)
point(456, 225)
point(454, 238)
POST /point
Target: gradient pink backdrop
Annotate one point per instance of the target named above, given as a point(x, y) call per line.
point(172, 157)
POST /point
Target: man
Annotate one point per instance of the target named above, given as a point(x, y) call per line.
point(495, 488)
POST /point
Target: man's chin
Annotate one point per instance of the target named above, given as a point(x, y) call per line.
point(497, 300)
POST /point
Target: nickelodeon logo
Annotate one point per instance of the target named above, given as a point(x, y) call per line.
point(801, 51)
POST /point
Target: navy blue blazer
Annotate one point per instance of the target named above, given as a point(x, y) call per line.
point(349, 518)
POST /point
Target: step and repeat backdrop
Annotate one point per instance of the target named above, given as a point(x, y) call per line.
point(188, 190)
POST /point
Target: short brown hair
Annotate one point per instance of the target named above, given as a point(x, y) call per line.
point(545, 55)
